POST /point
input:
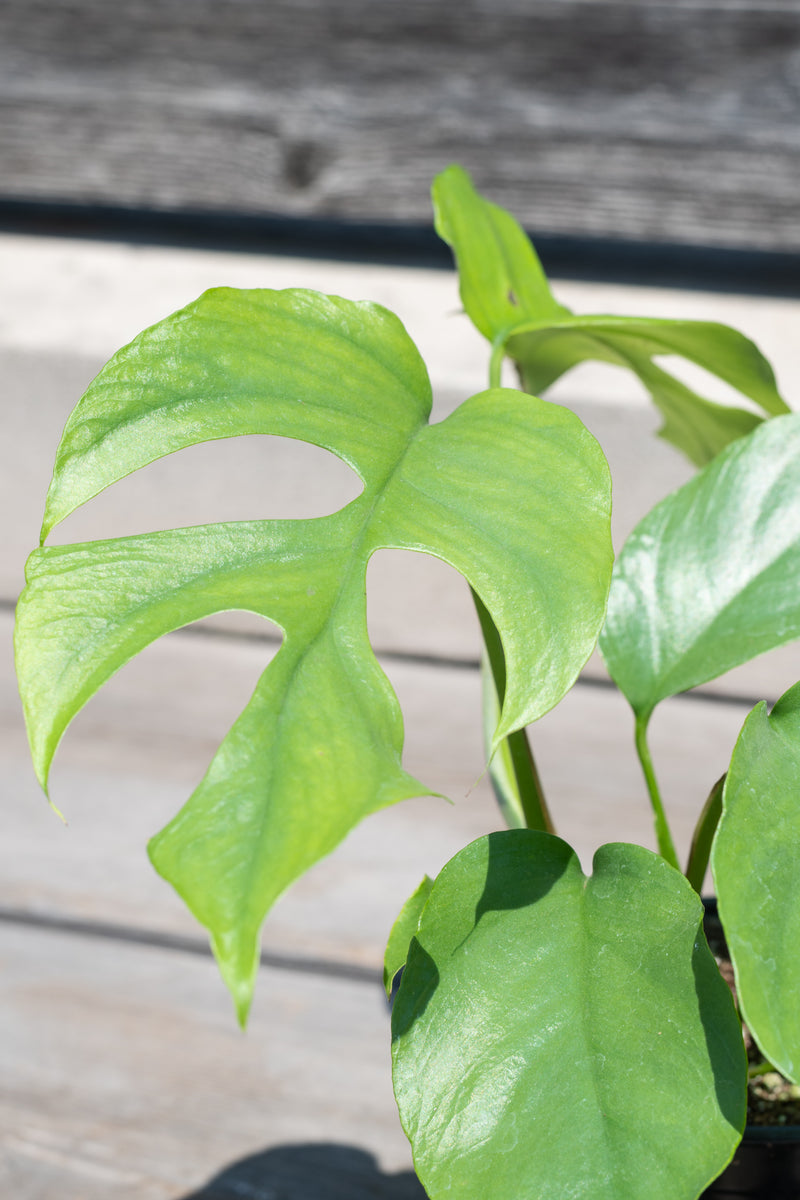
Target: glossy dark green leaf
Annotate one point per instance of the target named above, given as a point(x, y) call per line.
point(755, 863)
point(511, 491)
point(402, 932)
point(506, 295)
point(558, 1036)
point(708, 580)
point(703, 837)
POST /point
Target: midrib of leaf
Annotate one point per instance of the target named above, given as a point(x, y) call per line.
point(353, 575)
point(588, 1022)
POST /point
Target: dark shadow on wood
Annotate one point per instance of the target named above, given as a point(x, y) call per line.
point(610, 260)
point(312, 1171)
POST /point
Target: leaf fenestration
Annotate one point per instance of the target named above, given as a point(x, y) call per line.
point(510, 490)
point(506, 295)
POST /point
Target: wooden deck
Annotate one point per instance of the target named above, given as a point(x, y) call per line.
point(665, 120)
point(122, 1072)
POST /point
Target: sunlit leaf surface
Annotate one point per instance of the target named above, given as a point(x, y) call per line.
point(510, 490)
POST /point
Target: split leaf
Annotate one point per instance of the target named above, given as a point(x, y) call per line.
point(506, 294)
point(555, 1035)
point(511, 491)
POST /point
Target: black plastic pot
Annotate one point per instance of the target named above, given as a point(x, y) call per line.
point(765, 1167)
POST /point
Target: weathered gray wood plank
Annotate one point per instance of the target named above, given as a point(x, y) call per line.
point(123, 1073)
point(132, 757)
point(637, 118)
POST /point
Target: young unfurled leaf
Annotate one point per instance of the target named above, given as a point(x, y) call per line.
point(501, 279)
point(512, 491)
point(708, 580)
point(555, 1035)
point(506, 295)
point(760, 905)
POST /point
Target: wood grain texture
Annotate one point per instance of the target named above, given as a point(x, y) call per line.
point(123, 1076)
point(668, 121)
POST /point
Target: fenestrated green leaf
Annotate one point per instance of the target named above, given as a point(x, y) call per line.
point(718, 348)
point(512, 491)
point(402, 932)
point(506, 295)
point(708, 580)
point(699, 427)
point(295, 363)
point(754, 861)
point(555, 1035)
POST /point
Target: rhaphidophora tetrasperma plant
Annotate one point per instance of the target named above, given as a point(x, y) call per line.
point(554, 1034)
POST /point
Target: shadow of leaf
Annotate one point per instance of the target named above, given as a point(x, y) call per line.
point(523, 866)
point(309, 1171)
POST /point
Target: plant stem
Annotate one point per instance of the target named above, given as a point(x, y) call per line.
point(703, 836)
point(666, 846)
point(496, 362)
point(760, 1068)
point(514, 774)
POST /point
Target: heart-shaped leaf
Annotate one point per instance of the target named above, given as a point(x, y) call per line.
point(708, 579)
point(754, 860)
point(555, 1035)
point(511, 491)
point(506, 295)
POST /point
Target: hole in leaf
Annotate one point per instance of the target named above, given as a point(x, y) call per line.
point(163, 714)
point(703, 382)
point(250, 478)
point(419, 605)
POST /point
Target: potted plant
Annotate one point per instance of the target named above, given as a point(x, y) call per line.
point(553, 1034)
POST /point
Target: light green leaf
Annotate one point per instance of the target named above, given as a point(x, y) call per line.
point(501, 279)
point(295, 363)
point(754, 861)
point(698, 427)
point(506, 295)
point(719, 349)
point(512, 491)
point(708, 580)
point(403, 930)
point(555, 1035)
